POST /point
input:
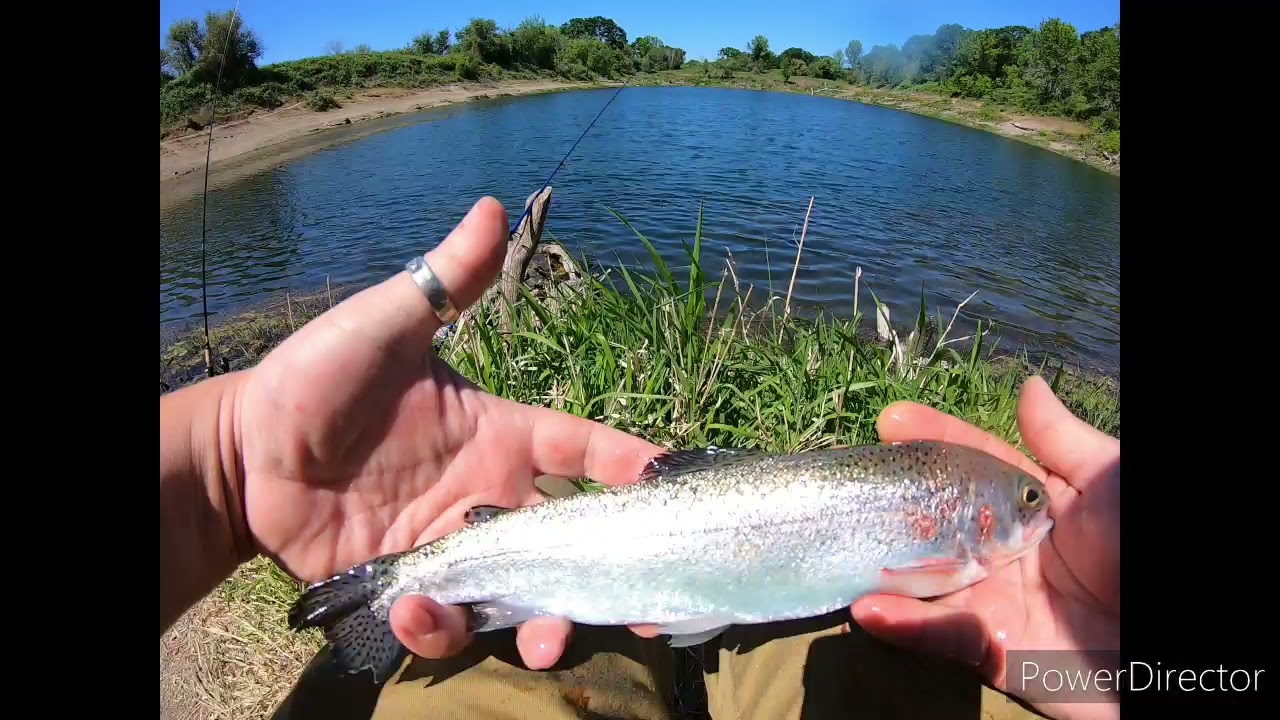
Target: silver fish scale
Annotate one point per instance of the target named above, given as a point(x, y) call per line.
point(752, 538)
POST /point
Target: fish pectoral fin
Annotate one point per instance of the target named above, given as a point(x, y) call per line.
point(682, 462)
point(931, 578)
point(483, 513)
point(695, 631)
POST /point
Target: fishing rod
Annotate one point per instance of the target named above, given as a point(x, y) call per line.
point(448, 330)
point(208, 346)
point(204, 211)
point(566, 155)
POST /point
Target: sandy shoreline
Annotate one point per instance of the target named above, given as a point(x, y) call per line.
point(270, 138)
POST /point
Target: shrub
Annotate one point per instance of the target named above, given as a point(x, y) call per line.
point(466, 66)
point(1109, 142)
point(269, 95)
point(322, 100)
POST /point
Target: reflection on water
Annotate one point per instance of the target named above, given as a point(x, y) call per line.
point(911, 199)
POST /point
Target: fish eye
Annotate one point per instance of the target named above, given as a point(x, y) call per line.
point(1031, 495)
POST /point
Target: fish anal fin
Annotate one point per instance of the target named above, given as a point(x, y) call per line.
point(483, 513)
point(931, 578)
point(675, 463)
point(695, 631)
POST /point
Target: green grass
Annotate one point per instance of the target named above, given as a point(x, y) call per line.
point(697, 358)
point(636, 351)
point(683, 359)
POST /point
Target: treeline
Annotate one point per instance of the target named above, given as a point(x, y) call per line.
point(580, 49)
point(1052, 69)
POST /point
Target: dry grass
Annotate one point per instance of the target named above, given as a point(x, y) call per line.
point(233, 656)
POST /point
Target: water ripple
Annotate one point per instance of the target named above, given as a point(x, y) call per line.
point(910, 199)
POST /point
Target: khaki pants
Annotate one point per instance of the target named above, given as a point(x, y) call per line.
point(820, 668)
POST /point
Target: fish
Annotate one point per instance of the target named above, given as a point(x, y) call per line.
point(703, 539)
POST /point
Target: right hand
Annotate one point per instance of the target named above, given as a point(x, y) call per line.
point(1065, 596)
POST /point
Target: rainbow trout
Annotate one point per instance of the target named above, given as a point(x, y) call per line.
point(703, 540)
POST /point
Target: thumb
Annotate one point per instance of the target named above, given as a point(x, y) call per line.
point(926, 628)
point(396, 312)
point(1061, 441)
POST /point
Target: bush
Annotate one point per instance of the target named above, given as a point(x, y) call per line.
point(269, 95)
point(595, 55)
point(825, 68)
point(1109, 142)
point(466, 66)
point(575, 71)
point(322, 100)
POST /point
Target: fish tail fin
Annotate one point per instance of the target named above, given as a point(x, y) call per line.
point(341, 606)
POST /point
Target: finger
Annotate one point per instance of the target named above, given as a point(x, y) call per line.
point(926, 628)
point(903, 421)
point(541, 641)
point(1064, 443)
point(570, 446)
point(429, 629)
point(645, 631)
point(395, 311)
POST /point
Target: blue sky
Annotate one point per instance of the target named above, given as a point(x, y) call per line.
point(292, 29)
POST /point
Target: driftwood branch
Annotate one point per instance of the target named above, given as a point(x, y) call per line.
point(519, 251)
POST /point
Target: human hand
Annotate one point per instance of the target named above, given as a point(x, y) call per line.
point(355, 440)
point(1065, 596)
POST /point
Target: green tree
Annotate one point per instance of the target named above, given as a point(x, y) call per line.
point(641, 45)
point(885, 65)
point(727, 53)
point(786, 68)
point(535, 43)
point(482, 39)
point(424, 43)
point(826, 68)
point(852, 52)
point(165, 75)
point(185, 41)
point(758, 48)
point(601, 28)
point(193, 49)
point(1050, 54)
point(989, 52)
point(362, 49)
point(1099, 73)
point(442, 41)
point(796, 53)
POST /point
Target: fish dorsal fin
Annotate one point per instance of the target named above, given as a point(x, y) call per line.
point(673, 464)
point(484, 513)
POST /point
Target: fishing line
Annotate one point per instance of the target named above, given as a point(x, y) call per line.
point(448, 330)
point(204, 212)
point(566, 155)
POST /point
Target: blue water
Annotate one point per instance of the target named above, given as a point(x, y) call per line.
point(910, 199)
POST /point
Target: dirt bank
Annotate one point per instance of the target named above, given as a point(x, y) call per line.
point(267, 138)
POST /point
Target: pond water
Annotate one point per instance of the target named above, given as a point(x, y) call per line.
point(912, 200)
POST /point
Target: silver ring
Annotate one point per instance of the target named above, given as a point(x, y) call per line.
point(429, 283)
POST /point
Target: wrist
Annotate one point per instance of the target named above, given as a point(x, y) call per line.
point(203, 534)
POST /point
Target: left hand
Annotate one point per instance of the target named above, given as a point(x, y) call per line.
point(355, 440)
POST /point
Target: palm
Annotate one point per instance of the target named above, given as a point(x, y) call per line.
point(338, 474)
point(356, 440)
point(1062, 596)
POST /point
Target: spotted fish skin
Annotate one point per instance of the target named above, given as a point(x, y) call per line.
point(705, 539)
